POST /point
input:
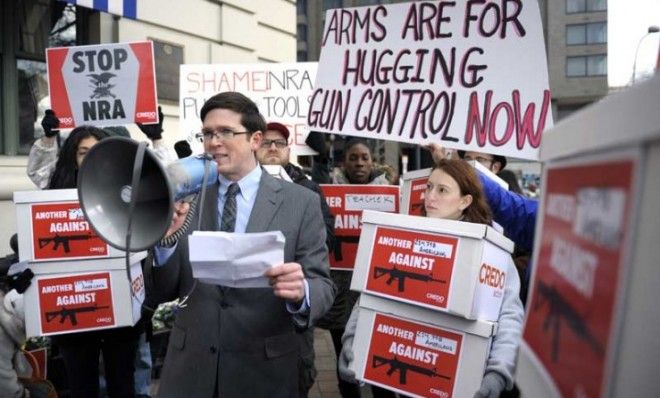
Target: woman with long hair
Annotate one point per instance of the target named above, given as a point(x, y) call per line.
point(73, 151)
point(454, 192)
point(81, 350)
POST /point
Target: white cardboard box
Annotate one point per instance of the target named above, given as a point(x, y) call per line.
point(449, 266)
point(419, 352)
point(51, 226)
point(59, 303)
point(595, 275)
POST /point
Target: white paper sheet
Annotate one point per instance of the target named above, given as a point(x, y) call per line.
point(235, 259)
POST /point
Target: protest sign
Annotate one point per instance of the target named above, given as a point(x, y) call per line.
point(104, 85)
point(580, 270)
point(346, 203)
point(281, 91)
point(413, 187)
point(470, 75)
point(60, 231)
point(76, 302)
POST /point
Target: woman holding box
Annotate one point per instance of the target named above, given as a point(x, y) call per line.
point(80, 350)
point(454, 192)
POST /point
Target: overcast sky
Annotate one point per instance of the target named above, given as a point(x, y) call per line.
point(628, 22)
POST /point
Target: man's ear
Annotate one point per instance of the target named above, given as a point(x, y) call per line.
point(496, 167)
point(255, 140)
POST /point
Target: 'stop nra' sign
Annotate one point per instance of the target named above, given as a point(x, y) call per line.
point(104, 85)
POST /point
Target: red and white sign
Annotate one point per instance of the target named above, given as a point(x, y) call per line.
point(580, 266)
point(416, 189)
point(60, 231)
point(103, 85)
point(77, 302)
point(412, 358)
point(413, 266)
point(280, 90)
point(346, 203)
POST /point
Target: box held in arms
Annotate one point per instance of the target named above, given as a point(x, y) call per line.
point(444, 265)
point(66, 302)
point(422, 353)
point(52, 228)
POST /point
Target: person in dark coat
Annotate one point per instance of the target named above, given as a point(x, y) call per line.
point(275, 151)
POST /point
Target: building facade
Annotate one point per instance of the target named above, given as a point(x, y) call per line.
point(576, 44)
point(192, 32)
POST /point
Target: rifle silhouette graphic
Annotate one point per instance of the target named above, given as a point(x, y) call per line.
point(403, 368)
point(70, 313)
point(62, 240)
point(401, 276)
point(343, 239)
point(559, 308)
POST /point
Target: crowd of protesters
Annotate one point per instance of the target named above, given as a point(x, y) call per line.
point(232, 324)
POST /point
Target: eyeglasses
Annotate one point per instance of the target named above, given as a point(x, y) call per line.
point(484, 161)
point(280, 144)
point(220, 134)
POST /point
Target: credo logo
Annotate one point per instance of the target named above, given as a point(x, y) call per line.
point(435, 297)
point(438, 393)
point(106, 319)
point(148, 115)
point(491, 276)
point(67, 121)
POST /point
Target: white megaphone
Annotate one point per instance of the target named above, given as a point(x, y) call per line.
point(128, 196)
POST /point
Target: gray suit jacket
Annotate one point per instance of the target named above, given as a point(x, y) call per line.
point(244, 339)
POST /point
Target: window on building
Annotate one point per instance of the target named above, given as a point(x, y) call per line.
point(302, 32)
point(586, 65)
point(40, 25)
point(574, 6)
point(576, 34)
point(597, 65)
point(597, 33)
point(301, 7)
point(590, 33)
point(328, 4)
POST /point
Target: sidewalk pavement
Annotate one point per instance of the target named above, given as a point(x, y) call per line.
point(326, 362)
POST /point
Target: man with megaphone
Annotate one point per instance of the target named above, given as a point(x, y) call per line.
point(230, 342)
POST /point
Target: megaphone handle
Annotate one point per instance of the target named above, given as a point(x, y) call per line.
point(202, 196)
point(135, 188)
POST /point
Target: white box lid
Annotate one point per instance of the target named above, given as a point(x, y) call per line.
point(451, 227)
point(430, 317)
point(48, 195)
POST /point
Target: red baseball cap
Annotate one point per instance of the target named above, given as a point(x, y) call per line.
point(280, 128)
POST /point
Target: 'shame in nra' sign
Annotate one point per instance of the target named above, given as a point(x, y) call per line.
point(104, 85)
point(470, 74)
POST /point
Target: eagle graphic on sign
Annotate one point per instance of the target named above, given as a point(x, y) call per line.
point(101, 85)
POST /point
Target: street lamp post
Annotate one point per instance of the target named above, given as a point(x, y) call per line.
point(652, 29)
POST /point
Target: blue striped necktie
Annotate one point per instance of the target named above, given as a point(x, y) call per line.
point(228, 222)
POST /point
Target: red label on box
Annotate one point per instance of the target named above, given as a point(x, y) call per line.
point(412, 265)
point(416, 195)
point(577, 281)
point(60, 230)
point(413, 358)
point(75, 302)
point(346, 203)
